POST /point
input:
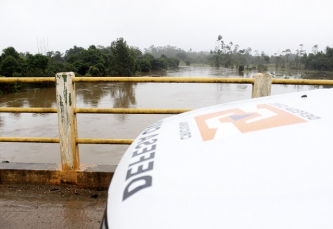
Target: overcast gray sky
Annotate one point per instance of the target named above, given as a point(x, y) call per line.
point(265, 25)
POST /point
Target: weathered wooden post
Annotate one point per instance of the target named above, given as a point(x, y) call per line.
point(262, 85)
point(66, 102)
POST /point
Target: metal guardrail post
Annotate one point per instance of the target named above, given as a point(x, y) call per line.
point(66, 102)
point(261, 85)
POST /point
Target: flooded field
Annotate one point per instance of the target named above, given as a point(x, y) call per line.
point(117, 95)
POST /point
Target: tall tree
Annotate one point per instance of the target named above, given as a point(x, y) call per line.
point(11, 62)
point(315, 49)
point(287, 54)
point(10, 51)
point(122, 59)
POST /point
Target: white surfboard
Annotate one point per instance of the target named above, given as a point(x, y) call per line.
point(259, 163)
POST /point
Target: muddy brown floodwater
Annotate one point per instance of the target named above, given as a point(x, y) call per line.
point(39, 207)
point(123, 126)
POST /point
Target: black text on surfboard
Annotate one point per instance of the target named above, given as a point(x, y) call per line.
point(142, 161)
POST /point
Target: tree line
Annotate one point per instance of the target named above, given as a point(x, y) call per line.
point(317, 60)
point(119, 59)
point(116, 60)
point(230, 55)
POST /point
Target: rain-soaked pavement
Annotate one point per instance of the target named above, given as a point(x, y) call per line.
point(37, 206)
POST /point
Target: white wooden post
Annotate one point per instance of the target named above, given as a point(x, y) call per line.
point(262, 85)
point(66, 102)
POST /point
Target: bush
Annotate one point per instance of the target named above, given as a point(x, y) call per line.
point(93, 71)
point(172, 62)
point(101, 69)
point(241, 68)
point(159, 64)
point(144, 65)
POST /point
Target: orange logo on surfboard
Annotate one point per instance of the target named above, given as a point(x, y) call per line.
point(237, 121)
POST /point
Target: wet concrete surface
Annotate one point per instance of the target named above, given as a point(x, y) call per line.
point(41, 206)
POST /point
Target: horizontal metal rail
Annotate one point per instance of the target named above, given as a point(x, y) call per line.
point(302, 82)
point(94, 110)
point(56, 140)
point(130, 79)
point(24, 139)
point(104, 141)
point(165, 80)
point(27, 110)
point(26, 79)
point(129, 111)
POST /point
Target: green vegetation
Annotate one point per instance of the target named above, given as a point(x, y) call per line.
point(116, 60)
point(188, 57)
point(322, 61)
point(119, 59)
point(229, 55)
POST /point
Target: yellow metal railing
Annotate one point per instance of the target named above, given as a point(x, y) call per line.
point(26, 80)
point(261, 87)
point(302, 82)
point(27, 110)
point(94, 110)
point(166, 80)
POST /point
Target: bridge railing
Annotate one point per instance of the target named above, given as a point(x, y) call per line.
point(67, 110)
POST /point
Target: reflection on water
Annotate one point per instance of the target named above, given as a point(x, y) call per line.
point(31, 98)
point(195, 71)
point(90, 94)
point(117, 95)
point(123, 95)
point(1, 121)
point(301, 74)
point(16, 116)
point(106, 95)
point(41, 98)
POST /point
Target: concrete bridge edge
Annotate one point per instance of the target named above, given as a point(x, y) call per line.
point(96, 177)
